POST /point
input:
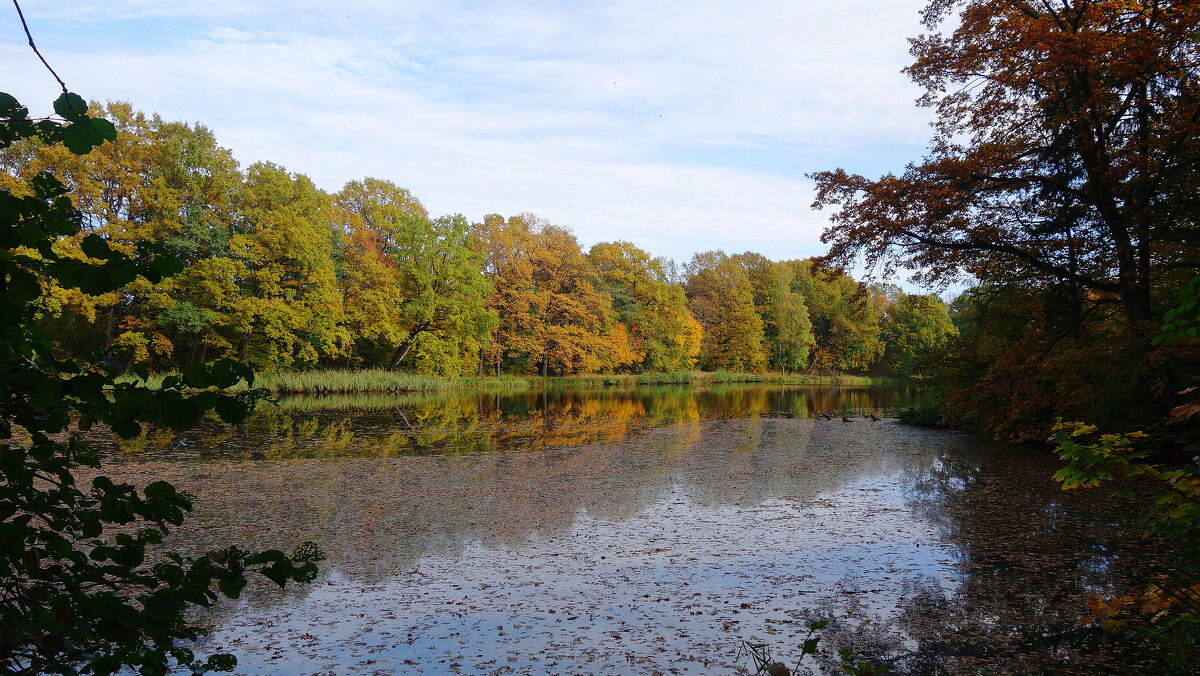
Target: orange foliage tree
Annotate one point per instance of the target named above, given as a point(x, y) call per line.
point(1067, 150)
point(1065, 160)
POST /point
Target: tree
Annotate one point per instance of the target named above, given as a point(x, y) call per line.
point(552, 315)
point(285, 307)
point(79, 589)
point(844, 314)
point(662, 332)
point(787, 328)
point(721, 298)
point(1067, 152)
point(913, 328)
point(161, 182)
point(412, 284)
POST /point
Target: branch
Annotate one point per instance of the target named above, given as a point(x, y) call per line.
point(35, 49)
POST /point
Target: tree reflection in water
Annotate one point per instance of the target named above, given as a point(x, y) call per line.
point(731, 512)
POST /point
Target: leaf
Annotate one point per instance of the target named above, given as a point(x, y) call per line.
point(231, 410)
point(159, 490)
point(95, 246)
point(71, 106)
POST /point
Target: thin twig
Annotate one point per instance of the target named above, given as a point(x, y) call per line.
point(35, 49)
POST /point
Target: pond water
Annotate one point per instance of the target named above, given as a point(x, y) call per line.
point(644, 531)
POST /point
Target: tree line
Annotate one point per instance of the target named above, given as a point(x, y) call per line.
point(280, 274)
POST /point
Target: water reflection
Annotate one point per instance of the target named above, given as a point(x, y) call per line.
point(377, 425)
point(632, 532)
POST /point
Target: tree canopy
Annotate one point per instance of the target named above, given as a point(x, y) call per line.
point(1066, 151)
point(84, 584)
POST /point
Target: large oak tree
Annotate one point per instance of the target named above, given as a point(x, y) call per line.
point(1066, 152)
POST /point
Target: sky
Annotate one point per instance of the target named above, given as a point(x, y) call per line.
point(678, 126)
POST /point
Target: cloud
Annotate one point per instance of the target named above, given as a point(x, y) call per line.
point(678, 126)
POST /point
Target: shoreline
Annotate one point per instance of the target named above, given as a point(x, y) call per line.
point(381, 381)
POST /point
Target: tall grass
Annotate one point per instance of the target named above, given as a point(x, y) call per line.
point(379, 380)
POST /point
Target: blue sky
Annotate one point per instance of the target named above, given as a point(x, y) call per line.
point(679, 126)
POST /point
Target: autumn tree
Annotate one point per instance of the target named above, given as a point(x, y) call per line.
point(285, 309)
point(553, 318)
point(663, 334)
point(411, 284)
point(1064, 162)
point(787, 328)
point(721, 297)
point(1066, 151)
point(117, 191)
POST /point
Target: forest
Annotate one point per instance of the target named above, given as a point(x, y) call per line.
point(282, 275)
point(1059, 189)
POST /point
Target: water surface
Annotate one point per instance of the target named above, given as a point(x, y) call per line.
point(643, 531)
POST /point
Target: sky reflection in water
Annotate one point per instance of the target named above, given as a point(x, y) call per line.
point(641, 532)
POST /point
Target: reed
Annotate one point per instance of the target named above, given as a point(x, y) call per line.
point(379, 380)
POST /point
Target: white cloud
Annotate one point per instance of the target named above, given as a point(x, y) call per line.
point(678, 126)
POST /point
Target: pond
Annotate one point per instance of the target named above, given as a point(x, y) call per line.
point(644, 531)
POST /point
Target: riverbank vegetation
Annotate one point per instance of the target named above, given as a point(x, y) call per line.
point(286, 277)
point(382, 380)
point(1061, 184)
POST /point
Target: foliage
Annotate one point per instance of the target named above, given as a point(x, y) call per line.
point(1167, 611)
point(1063, 172)
point(78, 593)
point(1183, 320)
point(845, 317)
point(721, 297)
point(553, 316)
point(280, 274)
point(913, 329)
point(787, 326)
point(411, 285)
point(1066, 149)
point(655, 313)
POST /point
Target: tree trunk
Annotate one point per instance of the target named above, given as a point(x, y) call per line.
point(400, 353)
point(244, 344)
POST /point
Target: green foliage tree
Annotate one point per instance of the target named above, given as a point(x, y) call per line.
point(721, 297)
point(662, 331)
point(79, 590)
point(913, 328)
point(845, 317)
point(412, 285)
point(787, 328)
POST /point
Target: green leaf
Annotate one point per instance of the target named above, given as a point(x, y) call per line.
point(71, 106)
point(231, 410)
point(80, 137)
point(10, 107)
point(95, 246)
point(159, 490)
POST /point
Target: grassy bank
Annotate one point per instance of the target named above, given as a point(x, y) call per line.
point(378, 380)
